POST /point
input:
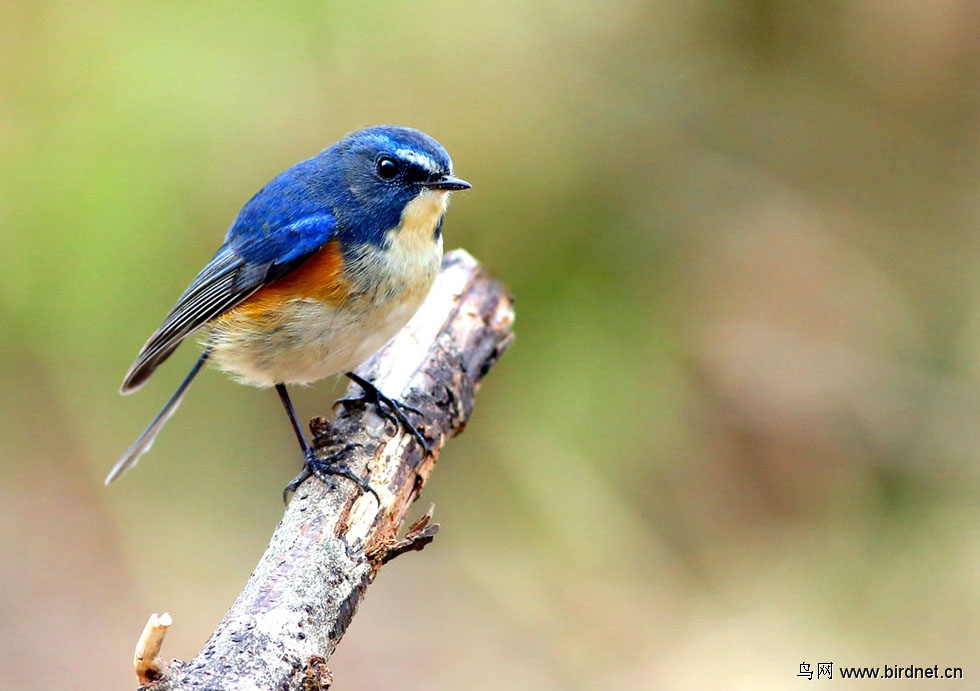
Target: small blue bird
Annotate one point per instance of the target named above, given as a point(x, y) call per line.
point(318, 271)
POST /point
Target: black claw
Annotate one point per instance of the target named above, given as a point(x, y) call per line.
point(410, 408)
point(395, 413)
point(325, 469)
point(322, 468)
point(293, 484)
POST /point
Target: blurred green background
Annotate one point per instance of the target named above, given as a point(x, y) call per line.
point(739, 428)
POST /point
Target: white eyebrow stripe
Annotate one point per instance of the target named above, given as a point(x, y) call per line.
point(418, 159)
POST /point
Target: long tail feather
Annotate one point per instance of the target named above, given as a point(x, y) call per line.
point(145, 440)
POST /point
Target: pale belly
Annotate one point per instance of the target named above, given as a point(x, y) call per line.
point(314, 341)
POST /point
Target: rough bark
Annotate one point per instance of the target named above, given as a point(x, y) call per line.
point(328, 548)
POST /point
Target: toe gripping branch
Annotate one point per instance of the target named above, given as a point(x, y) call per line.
point(325, 469)
point(395, 413)
point(334, 464)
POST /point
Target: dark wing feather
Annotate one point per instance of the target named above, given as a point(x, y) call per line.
point(223, 283)
point(214, 291)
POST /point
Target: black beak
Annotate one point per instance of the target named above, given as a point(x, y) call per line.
point(446, 182)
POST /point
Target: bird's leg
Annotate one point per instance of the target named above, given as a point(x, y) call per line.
point(395, 412)
point(322, 468)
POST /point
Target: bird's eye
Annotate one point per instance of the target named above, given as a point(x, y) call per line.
point(387, 168)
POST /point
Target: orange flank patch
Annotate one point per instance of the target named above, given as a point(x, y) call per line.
point(320, 278)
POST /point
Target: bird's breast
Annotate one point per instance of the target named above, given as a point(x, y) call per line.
point(412, 251)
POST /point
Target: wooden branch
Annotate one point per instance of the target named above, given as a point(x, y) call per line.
point(146, 659)
point(331, 542)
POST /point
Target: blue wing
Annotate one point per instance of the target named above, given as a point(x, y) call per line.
point(280, 227)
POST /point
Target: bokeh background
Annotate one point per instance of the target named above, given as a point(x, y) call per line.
point(739, 428)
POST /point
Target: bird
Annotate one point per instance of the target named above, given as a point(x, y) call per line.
point(319, 269)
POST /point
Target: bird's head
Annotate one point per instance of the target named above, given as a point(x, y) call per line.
point(388, 176)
